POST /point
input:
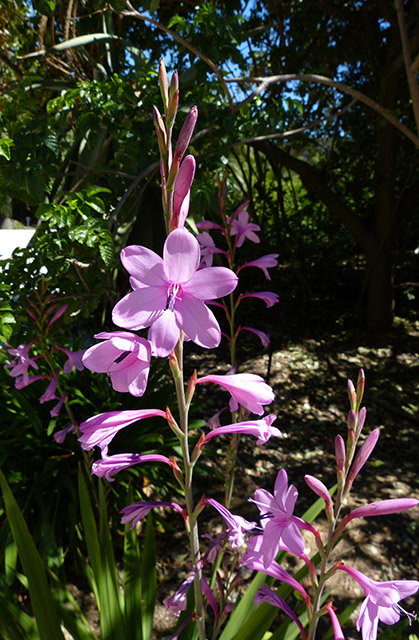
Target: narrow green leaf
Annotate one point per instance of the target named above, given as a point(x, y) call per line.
point(43, 606)
point(132, 585)
point(15, 624)
point(148, 579)
point(73, 42)
point(111, 618)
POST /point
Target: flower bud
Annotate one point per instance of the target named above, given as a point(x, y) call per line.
point(182, 144)
point(361, 457)
point(173, 424)
point(340, 453)
point(319, 488)
point(191, 388)
point(163, 84)
point(352, 395)
point(361, 421)
point(360, 386)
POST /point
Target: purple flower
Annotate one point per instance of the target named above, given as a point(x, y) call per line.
point(262, 429)
point(60, 436)
point(252, 561)
point(246, 389)
point(264, 263)
point(280, 526)
point(133, 513)
point(265, 594)
point(50, 390)
point(108, 466)
point(74, 359)
point(21, 363)
point(381, 602)
point(263, 337)
point(382, 508)
point(236, 525)
point(208, 248)
point(25, 380)
point(57, 408)
point(337, 631)
point(268, 297)
point(207, 224)
point(242, 228)
point(178, 601)
point(124, 357)
point(99, 430)
point(171, 298)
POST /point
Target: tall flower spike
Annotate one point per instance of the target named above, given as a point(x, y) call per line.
point(173, 294)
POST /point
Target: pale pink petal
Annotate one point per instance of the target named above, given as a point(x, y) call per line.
point(144, 265)
point(198, 322)
point(211, 282)
point(164, 333)
point(140, 308)
point(180, 256)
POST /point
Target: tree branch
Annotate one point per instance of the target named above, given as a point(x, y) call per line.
point(407, 55)
point(264, 82)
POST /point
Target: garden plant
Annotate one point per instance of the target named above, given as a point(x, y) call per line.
point(171, 298)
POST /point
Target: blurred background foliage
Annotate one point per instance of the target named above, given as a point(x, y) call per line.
point(331, 182)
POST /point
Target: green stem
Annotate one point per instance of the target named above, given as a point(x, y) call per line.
point(193, 531)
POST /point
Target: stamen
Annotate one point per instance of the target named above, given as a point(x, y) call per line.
point(402, 611)
point(172, 295)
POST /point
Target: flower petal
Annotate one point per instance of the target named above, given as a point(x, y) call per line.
point(164, 333)
point(180, 256)
point(212, 282)
point(198, 322)
point(144, 265)
point(140, 308)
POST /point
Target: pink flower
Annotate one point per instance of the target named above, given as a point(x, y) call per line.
point(56, 410)
point(21, 363)
point(251, 560)
point(242, 228)
point(173, 292)
point(280, 526)
point(207, 224)
point(178, 601)
point(319, 488)
point(246, 389)
point(50, 390)
point(99, 430)
point(108, 466)
point(25, 380)
point(337, 631)
point(74, 359)
point(124, 357)
point(264, 263)
point(381, 602)
point(361, 457)
point(268, 297)
point(182, 193)
point(261, 429)
point(265, 594)
point(382, 508)
point(236, 525)
point(263, 337)
point(208, 248)
point(135, 512)
point(60, 436)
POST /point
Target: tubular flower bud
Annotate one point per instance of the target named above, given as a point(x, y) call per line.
point(362, 456)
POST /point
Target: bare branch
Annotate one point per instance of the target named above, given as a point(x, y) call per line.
point(264, 82)
point(292, 132)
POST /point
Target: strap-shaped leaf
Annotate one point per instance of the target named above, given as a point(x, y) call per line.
point(44, 608)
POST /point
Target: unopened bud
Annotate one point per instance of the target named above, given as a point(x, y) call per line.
point(173, 424)
point(164, 89)
point(57, 314)
point(182, 143)
point(172, 109)
point(361, 457)
point(360, 387)
point(160, 131)
point(361, 421)
point(352, 395)
point(191, 388)
point(174, 366)
point(198, 448)
point(340, 453)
